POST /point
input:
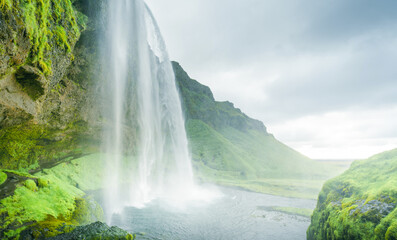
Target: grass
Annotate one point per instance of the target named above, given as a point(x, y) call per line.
point(367, 182)
point(254, 161)
point(304, 212)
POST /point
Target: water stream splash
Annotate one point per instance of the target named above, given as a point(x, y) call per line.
point(145, 140)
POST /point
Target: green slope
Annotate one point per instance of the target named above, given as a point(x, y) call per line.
point(360, 203)
point(230, 148)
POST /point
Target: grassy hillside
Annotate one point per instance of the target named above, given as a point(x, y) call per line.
point(360, 203)
point(230, 148)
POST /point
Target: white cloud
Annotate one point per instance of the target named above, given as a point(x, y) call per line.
point(352, 134)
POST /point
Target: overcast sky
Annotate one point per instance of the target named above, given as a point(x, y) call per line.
point(321, 75)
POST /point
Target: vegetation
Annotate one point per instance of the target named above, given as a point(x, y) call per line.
point(28, 145)
point(303, 212)
point(48, 23)
point(52, 199)
point(232, 149)
point(3, 177)
point(198, 103)
point(360, 203)
point(97, 230)
point(84, 172)
point(32, 204)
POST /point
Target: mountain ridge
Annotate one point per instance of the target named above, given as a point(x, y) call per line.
point(204, 96)
point(230, 148)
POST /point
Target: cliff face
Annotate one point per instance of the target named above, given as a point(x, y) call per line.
point(360, 203)
point(46, 87)
point(37, 40)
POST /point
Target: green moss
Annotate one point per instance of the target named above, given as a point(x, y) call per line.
point(3, 177)
point(58, 204)
point(27, 145)
point(42, 182)
point(341, 211)
point(62, 39)
point(26, 206)
point(86, 172)
point(6, 4)
point(50, 227)
point(31, 185)
point(20, 173)
point(18, 146)
point(48, 23)
point(391, 232)
point(87, 211)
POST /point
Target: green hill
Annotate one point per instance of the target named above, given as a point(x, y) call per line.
point(360, 203)
point(230, 148)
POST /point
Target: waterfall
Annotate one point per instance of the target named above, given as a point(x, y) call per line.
point(144, 139)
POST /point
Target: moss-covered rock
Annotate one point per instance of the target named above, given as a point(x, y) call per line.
point(31, 185)
point(87, 211)
point(94, 231)
point(360, 203)
point(3, 177)
point(51, 202)
point(48, 29)
point(45, 106)
point(46, 229)
point(29, 145)
point(30, 204)
point(42, 182)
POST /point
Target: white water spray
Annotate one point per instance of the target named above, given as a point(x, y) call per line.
point(145, 140)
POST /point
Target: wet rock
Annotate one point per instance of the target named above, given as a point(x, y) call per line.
point(375, 205)
point(97, 230)
point(373, 210)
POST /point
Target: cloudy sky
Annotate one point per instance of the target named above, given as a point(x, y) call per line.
point(321, 75)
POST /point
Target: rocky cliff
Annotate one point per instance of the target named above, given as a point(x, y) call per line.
point(47, 96)
point(360, 203)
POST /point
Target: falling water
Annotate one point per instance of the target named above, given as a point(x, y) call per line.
point(145, 140)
